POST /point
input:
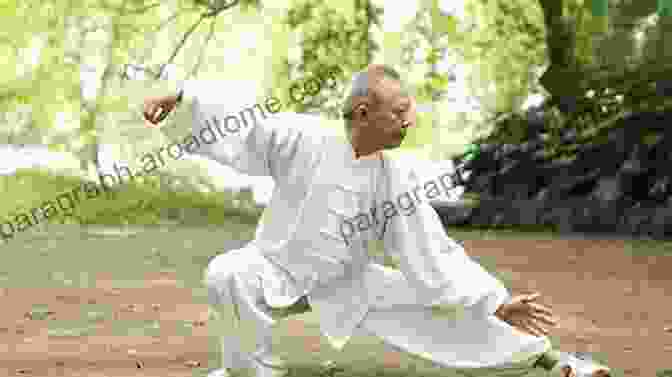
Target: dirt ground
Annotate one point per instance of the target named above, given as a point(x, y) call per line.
point(607, 302)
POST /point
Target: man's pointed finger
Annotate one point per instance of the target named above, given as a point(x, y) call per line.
point(157, 114)
point(533, 296)
point(534, 331)
point(162, 115)
point(538, 329)
point(551, 321)
point(542, 309)
point(525, 327)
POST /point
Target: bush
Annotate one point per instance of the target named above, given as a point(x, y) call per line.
point(136, 203)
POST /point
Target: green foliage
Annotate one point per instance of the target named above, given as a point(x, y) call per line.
point(607, 74)
point(502, 43)
point(441, 23)
point(332, 36)
point(143, 203)
point(101, 33)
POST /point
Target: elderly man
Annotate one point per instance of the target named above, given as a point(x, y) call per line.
point(336, 197)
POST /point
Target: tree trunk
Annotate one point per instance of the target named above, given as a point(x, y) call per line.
point(562, 77)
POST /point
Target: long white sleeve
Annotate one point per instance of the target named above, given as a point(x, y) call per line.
point(455, 282)
point(249, 136)
point(445, 173)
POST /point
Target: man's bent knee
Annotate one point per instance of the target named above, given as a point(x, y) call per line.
point(224, 266)
point(220, 271)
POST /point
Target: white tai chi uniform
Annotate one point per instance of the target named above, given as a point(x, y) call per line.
point(439, 305)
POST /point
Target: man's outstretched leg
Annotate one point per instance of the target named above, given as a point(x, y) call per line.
point(460, 340)
point(243, 320)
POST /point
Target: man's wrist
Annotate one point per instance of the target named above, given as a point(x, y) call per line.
point(500, 311)
point(185, 91)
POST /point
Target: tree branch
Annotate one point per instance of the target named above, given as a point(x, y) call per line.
point(216, 11)
point(180, 45)
point(167, 21)
point(140, 10)
point(211, 14)
point(199, 62)
point(124, 11)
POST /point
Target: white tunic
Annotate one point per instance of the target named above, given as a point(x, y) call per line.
point(319, 186)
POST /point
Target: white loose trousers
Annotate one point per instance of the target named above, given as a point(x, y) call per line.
point(237, 281)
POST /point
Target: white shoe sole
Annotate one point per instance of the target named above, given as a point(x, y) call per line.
point(222, 372)
point(582, 365)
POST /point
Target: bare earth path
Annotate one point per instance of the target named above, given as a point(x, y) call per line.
point(608, 302)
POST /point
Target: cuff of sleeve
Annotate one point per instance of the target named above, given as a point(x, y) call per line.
point(495, 300)
point(188, 90)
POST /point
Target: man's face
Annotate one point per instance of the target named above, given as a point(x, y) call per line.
point(390, 114)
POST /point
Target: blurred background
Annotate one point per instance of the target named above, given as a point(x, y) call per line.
point(563, 105)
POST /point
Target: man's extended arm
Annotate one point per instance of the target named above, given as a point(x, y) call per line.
point(442, 274)
point(445, 277)
point(243, 132)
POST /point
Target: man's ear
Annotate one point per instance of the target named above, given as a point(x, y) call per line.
point(361, 111)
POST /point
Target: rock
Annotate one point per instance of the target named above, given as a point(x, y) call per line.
point(567, 104)
point(508, 149)
point(487, 148)
point(607, 189)
point(543, 195)
point(574, 185)
point(660, 189)
point(556, 168)
point(634, 179)
point(484, 213)
point(602, 189)
point(528, 211)
point(607, 157)
point(530, 146)
point(559, 216)
point(454, 214)
point(482, 184)
point(661, 222)
point(569, 136)
point(634, 220)
point(536, 121)
point(664, 88)
point(609, 213)
point(583, 212)
point(520, 191)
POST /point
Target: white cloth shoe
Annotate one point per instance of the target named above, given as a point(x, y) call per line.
point(222, 372)
point(582, 365)
point(270, 366)
point(262, 367)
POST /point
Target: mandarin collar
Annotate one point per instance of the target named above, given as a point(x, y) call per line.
point(370, 160)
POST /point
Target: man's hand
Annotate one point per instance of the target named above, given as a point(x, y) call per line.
point(526, 315)
point(157, 108)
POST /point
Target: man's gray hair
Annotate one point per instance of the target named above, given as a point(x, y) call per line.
point(359, 87)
